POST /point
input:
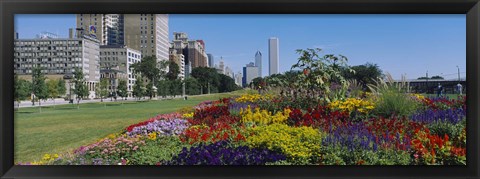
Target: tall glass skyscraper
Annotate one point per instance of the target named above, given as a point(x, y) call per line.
point(273, 55)
point(210, 60)
point(258, 62)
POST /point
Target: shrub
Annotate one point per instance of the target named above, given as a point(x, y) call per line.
point(445, 128)
point(391, 98)
point(161, 149)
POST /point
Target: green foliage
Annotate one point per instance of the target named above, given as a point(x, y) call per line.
point(102, 89)
point(192, 87)
point(22, 89)
point(175, 87)
point(149, 90)
point(321, 73)
point(364, 74)
point(138, 88)
point(391, 98)
point(227, 84)
point(333, 155)
point(62, 89)
point(52, 88)
point(148, 67)
point(206, 76)
point(161, 149)
point(441, 128)
point(173, 70)
point(38, 83)
point(122, 89)
point(80, 89)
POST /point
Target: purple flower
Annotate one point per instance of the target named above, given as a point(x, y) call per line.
point(221, 153)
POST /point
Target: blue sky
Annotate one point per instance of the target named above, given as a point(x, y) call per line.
point(399, 44)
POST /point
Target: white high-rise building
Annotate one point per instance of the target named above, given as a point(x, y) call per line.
point(258, 62)
point(273, 55)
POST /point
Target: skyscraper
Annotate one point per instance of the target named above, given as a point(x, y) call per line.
point(273, 55)
point(147, 33)
point(250, 72)
point(210, 60)
point(193, 50)
point(258, 62)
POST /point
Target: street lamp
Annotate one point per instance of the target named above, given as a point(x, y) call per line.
point(458, 68)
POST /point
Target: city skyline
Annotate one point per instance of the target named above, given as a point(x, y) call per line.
point(434, 43)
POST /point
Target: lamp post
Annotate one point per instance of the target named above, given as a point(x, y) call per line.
point(458, 68)
point(426, 91)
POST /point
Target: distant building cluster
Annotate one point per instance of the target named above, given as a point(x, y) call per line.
point(107, 45)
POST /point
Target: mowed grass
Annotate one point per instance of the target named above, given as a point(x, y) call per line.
point(65, 128)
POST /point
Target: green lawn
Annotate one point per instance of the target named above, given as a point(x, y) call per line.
point(64, 128)
point(451, 96)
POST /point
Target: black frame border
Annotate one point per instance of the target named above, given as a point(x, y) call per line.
point(469, 7)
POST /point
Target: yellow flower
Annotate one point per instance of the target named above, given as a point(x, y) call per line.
point(188, 115)
point(353, 104)
point(152, 136)
point(295, 142)
point(264, 117)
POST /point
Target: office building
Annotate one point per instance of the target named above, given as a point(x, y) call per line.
point(258, 62)
point(273, 55)
point(193, 51)
point(179, 59)
point(250, 72)
point(210, 60)
point(121, 58)
point(59, 57)
point(147, 33)
point(238, 78)
point(113, 76)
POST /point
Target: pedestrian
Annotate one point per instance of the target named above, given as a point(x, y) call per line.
point(459, 88)
point(439, 90)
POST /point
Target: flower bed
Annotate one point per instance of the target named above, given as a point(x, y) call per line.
point(240, 131)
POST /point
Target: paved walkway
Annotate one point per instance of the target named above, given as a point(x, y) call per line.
point(60, 101)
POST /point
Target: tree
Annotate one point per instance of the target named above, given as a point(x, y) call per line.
point(173, 70)
point(122, 89)
point(437, 78)
point(365, 74)
point(175, 87)
point(62, 89)
point(257, 82)
point(138, 88)
point(80, 88)
point(149, 89)
point(206, 76)
point(227, 84)
point(102, 89)
point(39, 87)
point(191, 86)
point(22, 89)
point(148, 67)
point(52, 88)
